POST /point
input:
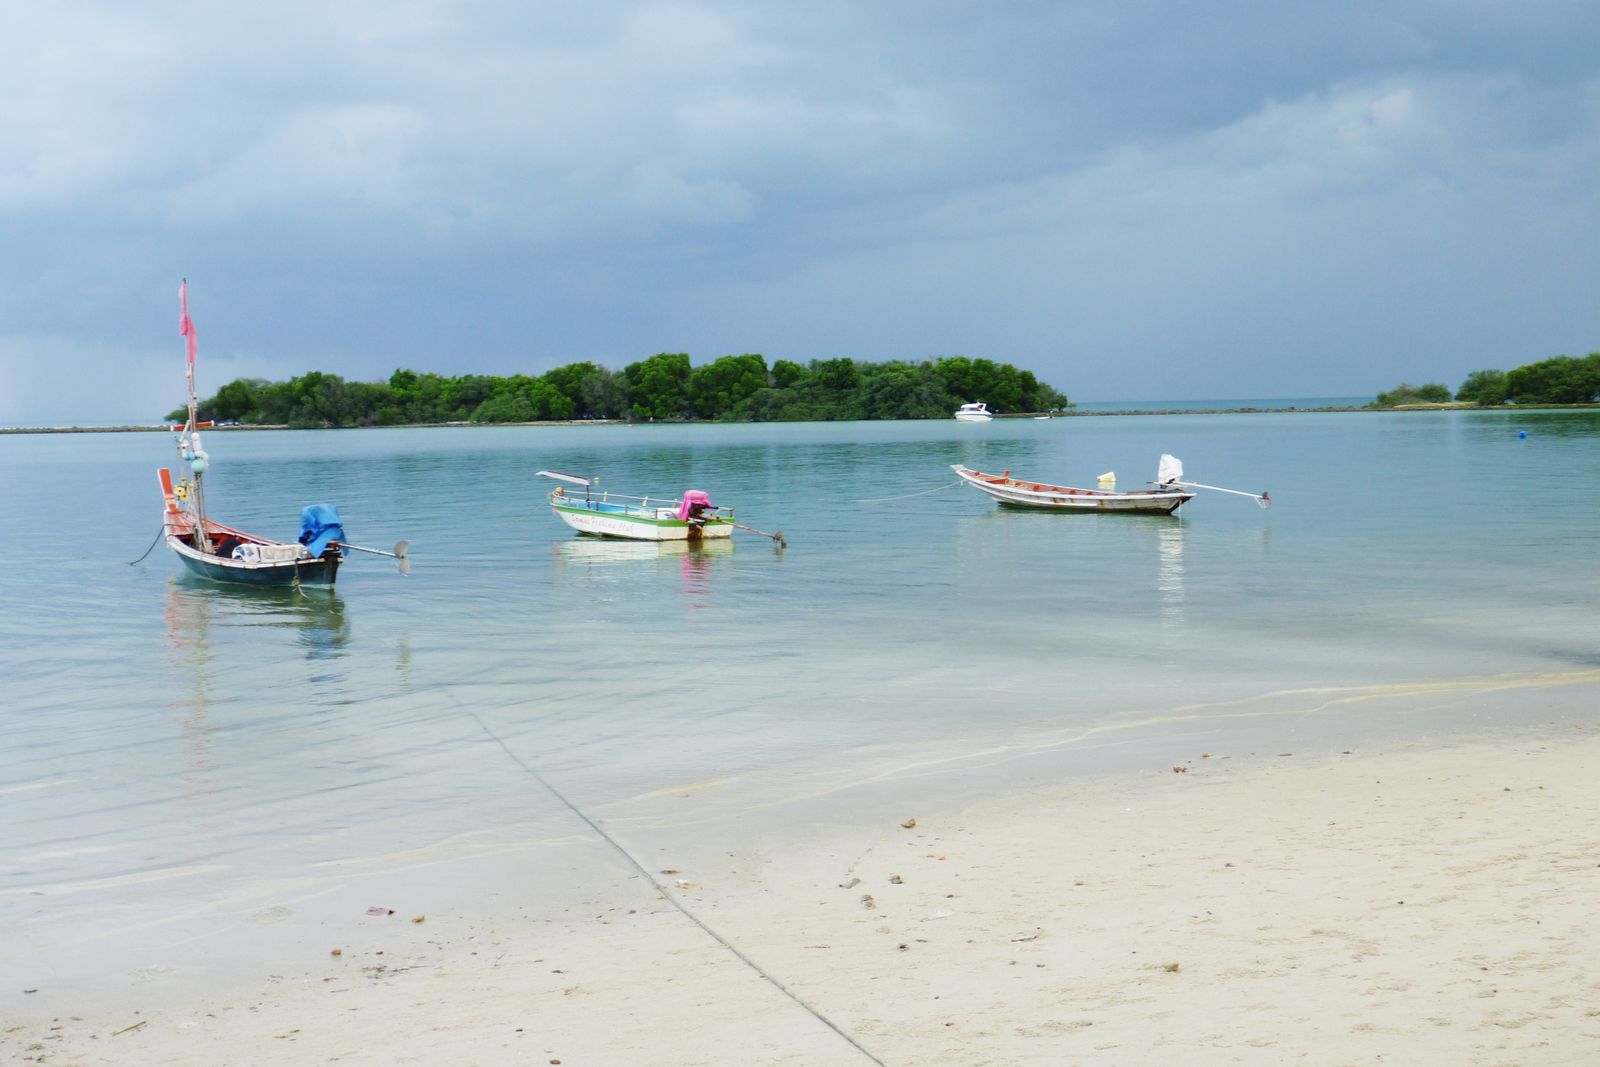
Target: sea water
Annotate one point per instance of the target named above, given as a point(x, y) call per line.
point(186, 764)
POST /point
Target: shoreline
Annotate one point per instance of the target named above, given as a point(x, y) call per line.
point(1433, 899)
point(1040, 415)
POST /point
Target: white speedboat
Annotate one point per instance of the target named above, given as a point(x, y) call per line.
point(978, 412)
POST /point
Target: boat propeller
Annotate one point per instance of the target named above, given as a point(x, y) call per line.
point(401, 554)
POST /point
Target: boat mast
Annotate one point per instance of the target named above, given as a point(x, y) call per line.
point(189, 449)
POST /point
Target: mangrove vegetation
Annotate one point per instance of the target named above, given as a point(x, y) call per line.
point(664, 387)
point(1558, 380)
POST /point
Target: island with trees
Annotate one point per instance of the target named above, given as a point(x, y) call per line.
point(1558, 380)
point(664, 387)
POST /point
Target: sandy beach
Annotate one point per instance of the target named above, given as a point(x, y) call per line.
point(1421, 904)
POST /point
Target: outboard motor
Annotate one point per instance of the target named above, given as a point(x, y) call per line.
point(695, 507)
point(320, 524)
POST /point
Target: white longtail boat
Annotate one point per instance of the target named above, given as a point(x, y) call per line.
point(691, 517)
point(1170, 493)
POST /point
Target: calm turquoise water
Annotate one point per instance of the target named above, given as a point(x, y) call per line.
point(178, 755)
point(1264, 404)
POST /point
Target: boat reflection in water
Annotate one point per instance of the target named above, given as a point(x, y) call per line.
point(317, 623)
point(606, 560)
point(600, 552)
point(1169, 577)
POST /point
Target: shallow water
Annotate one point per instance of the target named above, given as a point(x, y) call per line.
point(186, 757)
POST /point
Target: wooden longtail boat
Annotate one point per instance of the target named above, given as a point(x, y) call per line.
point(1019, 493)
point(1170, 492)
point(224, 554)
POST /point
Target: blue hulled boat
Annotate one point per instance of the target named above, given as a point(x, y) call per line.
point(224, 554)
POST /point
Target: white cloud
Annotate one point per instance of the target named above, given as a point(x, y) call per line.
point(362, 155)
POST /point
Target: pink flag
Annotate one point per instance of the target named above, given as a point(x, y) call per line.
point(185, 325)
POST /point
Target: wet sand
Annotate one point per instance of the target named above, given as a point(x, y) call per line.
point(1422, 903)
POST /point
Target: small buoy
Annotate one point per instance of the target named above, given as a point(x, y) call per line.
point(1523, 434)
point(198, 464)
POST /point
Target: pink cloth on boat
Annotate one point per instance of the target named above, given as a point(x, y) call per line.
point(691, 499)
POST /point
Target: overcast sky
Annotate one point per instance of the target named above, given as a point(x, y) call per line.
point(1135, 200)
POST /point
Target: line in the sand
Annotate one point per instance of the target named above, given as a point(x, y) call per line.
point(660, 890)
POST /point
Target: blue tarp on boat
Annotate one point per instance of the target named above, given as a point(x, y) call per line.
point(319, 524)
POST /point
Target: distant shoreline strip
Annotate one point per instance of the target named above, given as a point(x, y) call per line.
point(698, 422)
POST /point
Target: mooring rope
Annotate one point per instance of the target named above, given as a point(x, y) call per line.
point(151, 549)
point(660, 890)
point(908, 496)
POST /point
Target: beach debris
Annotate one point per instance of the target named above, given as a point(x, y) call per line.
point(895, 879)
point(379, 909)
point(1180, 770)
point(141, 1024)
point(851, 884)
point(1027, 937)
point(419, 918)
point(867, 901)
point(682, 884)
point(1205, 755)
point(337, 952)
point(1172, 968)
point(910, 824)
point(27, 991)
point(669, 870)
point(904, 947)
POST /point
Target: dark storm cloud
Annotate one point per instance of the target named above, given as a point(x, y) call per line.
point(1134, 199)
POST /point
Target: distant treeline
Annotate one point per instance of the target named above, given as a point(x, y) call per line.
point(1558, 380)
point(663, 387)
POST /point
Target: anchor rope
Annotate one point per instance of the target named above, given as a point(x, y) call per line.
point(151, 549)
point(908, 496)
point(660, 890)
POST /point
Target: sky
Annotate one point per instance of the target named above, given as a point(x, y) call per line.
point(1134, 200)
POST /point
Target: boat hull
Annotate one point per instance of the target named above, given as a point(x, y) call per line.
point(610, 520)
point(322, 570)
point(1039, 496)
point(974, 418)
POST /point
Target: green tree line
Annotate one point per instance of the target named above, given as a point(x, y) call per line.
point(1558, 380)
point(663, 387)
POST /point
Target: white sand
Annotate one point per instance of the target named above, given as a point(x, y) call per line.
point(1421, 905)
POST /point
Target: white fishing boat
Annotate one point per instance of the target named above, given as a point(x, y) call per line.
point(691, 517)
point(1170, 493)
point(978, 412)
point(1021, 493)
